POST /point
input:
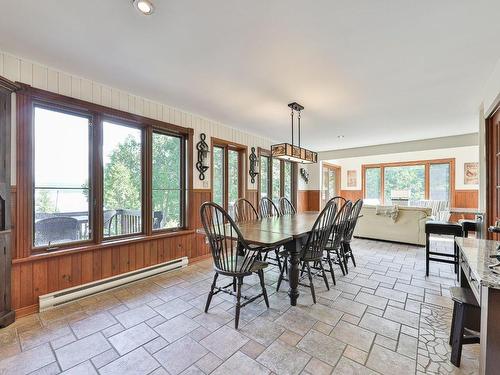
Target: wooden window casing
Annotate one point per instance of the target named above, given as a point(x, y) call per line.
point(27, 98)
point(425, 163)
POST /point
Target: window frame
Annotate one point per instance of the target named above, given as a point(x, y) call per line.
point(28, 98)
point(242, 168)
point(61, 108)
point(425, 163)
point(267, 153)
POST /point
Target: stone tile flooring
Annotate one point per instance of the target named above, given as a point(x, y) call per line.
point(383, 317)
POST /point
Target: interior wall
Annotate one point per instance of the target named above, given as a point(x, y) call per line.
point(37, 75)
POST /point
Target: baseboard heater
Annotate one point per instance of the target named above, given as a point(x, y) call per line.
point(51, 300)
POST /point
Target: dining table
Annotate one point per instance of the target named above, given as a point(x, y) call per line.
point(290, 231)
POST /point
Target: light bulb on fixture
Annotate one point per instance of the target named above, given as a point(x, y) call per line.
point(144, 6)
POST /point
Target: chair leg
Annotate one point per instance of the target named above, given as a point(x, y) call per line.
point(264, 291)
point(234, 284)
point(278, 258)
point(344, 255)
point(453, 323)
point(351, 255)
point(209, 299)
point(280, 279)
point(311, 285)
point(238, 303)
point(341, 261)
point(330, 264)
point(323, 273)
point(458, 335)
point(303, 269)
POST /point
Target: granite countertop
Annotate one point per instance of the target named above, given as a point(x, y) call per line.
point(477, 254)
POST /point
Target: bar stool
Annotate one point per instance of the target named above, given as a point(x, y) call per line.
point(446, 228)
point(465, 322)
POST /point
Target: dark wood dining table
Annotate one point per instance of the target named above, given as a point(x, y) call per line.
point(291, 231)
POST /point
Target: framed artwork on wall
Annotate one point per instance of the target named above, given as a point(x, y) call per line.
point(351, 178)
point(471, 173)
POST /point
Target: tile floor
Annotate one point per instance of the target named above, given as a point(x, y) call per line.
point(383, 317)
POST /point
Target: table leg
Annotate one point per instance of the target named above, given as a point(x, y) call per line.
point(294, 248)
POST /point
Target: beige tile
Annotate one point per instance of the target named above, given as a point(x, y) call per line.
point(241, 364)
point(81, 350)
point(281, 358)
point(208, 363)
point(176, 328)
point(317, 367)
point(135, 316)
point(132, 338)
point(380, 325)
point(296, 320)
point(180, 355)
point(84, 368)
point(358, 337)
point(27, 361)
point(262, 331)
point(92, 324)
point(355, 354)
point(224, 342)
point(252, 349)
point(348, 367)
point(290, 338)
point(321, 346)
point(388, 362)
point(136, 362)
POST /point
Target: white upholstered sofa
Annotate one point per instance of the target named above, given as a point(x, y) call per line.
point(409, 226)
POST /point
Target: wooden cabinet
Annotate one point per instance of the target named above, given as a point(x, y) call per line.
point(6, 314)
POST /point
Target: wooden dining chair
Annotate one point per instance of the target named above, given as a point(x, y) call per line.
point(312, 251)
point(286, 207)
point(333, 249)
point(349, 231)
point(244, 211)
point(267, 208)
point(226, 243)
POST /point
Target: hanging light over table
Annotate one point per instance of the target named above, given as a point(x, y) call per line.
point(287, 151)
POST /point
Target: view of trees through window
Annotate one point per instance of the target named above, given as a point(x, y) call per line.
point(61, 175)
point(287, 180)
point(264, 176)
point(407, 182)
point(233, 179)
point(218, 175)
point(410, 179)
point(276, 180)
point(122, 164)
point(167, 181)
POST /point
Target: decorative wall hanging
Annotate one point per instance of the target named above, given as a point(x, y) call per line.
point(254, 165)
point(304, 175)
point(351, 178)
point(202, 163)
point(287, 151)
point(471, 173)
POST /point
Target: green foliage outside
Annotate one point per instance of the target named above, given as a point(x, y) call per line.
point(411, 178)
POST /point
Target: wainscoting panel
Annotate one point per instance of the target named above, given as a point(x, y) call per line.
point(352, 195)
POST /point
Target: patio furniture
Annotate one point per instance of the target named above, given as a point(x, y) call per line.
point(107, 218)
point(244, 211)
point(471, 225)
point(225, 242)
point(346, 241)
point(465, 324)
point(333, 248)
point(54, 230)
point(443, 228)
point(286, 207)
point(157, 219)
point(440, 208)
point(267, 208)
point(312, 251)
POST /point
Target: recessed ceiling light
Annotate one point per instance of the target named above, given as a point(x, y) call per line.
point(340, 136)
point(144, 6)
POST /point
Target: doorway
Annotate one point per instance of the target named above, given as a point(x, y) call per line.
point(330, 188)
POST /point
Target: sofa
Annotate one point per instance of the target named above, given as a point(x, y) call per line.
point(407, 227)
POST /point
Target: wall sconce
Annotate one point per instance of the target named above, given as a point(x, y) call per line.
point(254, 165)
point(304, 175)
point(202, 163)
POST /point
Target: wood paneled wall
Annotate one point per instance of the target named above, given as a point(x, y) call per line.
point(40, 274)
point(308, 200)
point(352, 195)
point(465, 199)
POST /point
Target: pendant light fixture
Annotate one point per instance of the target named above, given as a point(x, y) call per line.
point(287, 151)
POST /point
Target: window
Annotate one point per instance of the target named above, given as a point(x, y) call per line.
point(218, 178)
point(122, 167)
point(97, 174)
point(61, 212)
point(372, 185)
point(404, 183)
point(276, 178)
point(331, 182)
point(167, 185)
point(264, 176)
point(227, 177)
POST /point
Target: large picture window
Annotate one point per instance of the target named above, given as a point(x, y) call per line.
point(97, 174)
point(404, 183)
point(61, 177)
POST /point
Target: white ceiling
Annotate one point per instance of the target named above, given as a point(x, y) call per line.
point(373, 71)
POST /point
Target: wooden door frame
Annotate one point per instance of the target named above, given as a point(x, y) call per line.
point(491, 143)
point(338, 184)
